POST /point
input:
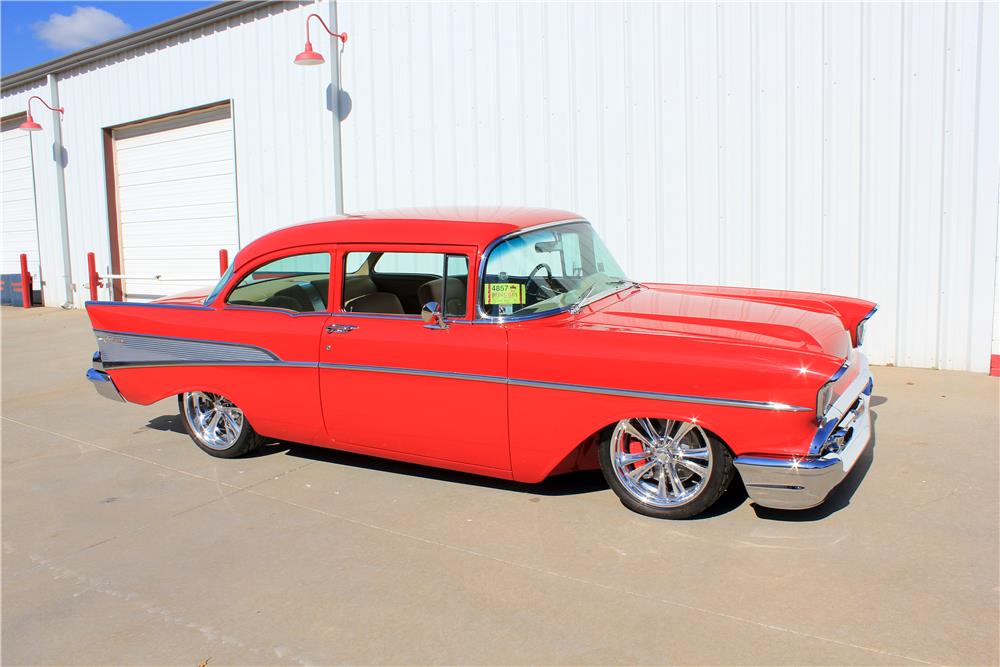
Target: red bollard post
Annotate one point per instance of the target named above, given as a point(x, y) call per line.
point(223, 261)
point(92, 276)
point(25, 283)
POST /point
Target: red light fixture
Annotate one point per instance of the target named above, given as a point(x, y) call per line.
point(308, 55)
point(29, 124)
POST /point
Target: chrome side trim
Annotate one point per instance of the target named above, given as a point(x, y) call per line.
point(133, 304)
point(202, 362)
point(658, 396)
point(104, 385)
point(282, 311)
point(117, 347)
point(416, 371)
point(535, 384)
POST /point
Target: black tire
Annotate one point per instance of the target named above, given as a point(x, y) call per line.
point(246, 442)
point(718, 480)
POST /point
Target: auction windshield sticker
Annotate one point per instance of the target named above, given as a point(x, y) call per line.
point(501, 294)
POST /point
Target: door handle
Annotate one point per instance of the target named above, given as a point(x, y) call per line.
point(339, 328)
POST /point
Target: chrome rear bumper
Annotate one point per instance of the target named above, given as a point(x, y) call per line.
point(804, 482)
point(103, 383)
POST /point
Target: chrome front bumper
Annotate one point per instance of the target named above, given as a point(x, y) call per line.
point(103, 383)
point(803, 482)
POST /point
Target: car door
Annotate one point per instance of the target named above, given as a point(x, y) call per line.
point(392, 384)
point(279, 304)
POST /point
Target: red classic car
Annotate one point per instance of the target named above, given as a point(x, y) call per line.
point(509, 343)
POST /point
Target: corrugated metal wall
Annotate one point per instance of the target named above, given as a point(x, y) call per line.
point(841, 147)
point(834, 147)
point(282, 128)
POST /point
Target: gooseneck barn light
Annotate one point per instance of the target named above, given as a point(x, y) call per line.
point(29, 125)
point(310, 57)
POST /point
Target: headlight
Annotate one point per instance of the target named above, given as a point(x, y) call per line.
point(859, 332)
point(824, 397)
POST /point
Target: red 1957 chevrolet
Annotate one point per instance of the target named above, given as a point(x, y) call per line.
point(509, 343)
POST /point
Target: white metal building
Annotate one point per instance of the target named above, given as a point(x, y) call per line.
point(839, 147)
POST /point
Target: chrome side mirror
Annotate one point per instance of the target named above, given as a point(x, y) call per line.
point(432, 315)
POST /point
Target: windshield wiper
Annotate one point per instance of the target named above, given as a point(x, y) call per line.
point(578, 304)
point(624, 281)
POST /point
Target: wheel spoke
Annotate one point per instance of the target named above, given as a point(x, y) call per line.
point(701, 471)
point(629, 459)
point(682, 430)
point(675, 481)
point(231, 424)
point(696, 453)
point(668, 426)
point(214, 423)
point(203, 417)
point(647, 427)
point(642, 470)
point(661, 487)
point(631, 430)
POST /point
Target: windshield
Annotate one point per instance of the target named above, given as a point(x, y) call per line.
point(548, 270)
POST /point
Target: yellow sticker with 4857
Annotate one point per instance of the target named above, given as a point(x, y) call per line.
point(503, 294)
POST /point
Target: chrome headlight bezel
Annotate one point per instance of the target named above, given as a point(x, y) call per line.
point(859, 331)
point(824, 396)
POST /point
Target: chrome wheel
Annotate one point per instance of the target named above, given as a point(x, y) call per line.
point(661, 462)
point(213, 419)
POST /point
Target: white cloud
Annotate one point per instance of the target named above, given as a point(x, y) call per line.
point(86, 26)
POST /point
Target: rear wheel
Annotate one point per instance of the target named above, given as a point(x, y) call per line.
point(217, 425)
point(664, 468)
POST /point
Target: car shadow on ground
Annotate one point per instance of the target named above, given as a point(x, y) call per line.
point(584, 481)
point(574, 483)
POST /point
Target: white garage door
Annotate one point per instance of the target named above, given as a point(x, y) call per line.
point(19, 227)
point(176, 198)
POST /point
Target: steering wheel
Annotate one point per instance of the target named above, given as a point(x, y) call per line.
point(536, 290)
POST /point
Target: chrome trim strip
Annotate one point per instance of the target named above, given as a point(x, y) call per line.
point(678, 398)
point(175, 306)
point(388, 316)
point(534, 384)
point(203, 362)
point(787, 463)
point(282, 311)
point(416, 371)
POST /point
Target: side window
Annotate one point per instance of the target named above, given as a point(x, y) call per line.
point(300, 283)
point(400, 283)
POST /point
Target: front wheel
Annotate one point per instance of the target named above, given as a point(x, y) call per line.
point(665, 468)
point(217, 425)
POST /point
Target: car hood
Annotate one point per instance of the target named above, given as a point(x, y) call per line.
point(732, 318)
point(195, 297)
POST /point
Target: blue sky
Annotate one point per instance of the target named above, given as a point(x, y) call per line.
point(34, 32)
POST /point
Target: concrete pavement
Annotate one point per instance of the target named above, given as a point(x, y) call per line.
point(123, 543)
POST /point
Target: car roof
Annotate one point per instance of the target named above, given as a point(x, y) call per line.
point(468, 226)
